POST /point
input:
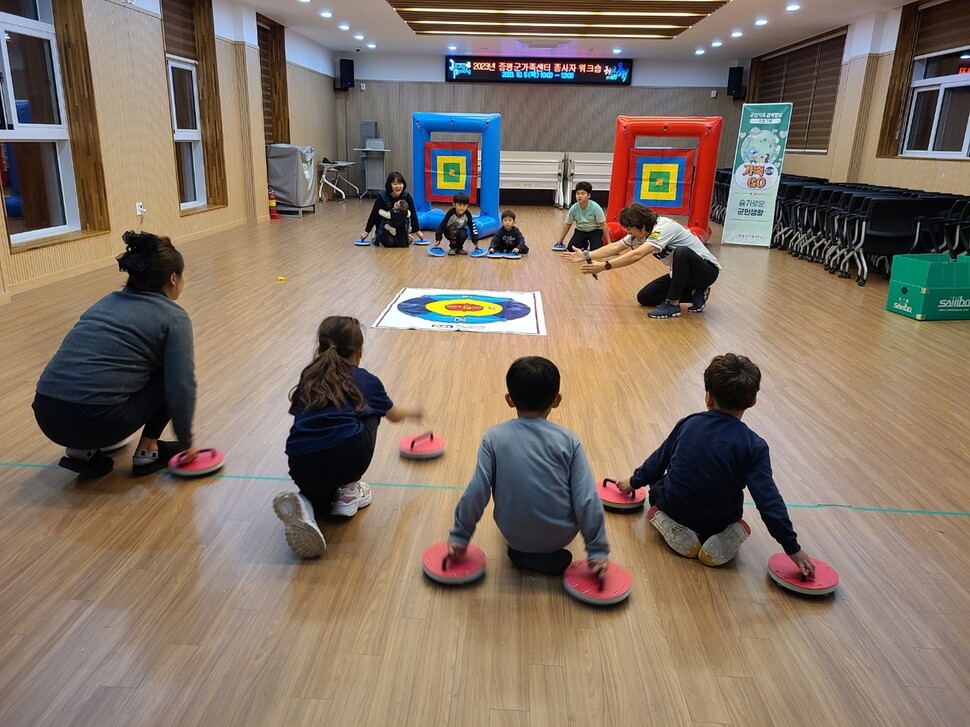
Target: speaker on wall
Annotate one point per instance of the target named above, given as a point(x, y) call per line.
point(345, 79)
point(735, 83)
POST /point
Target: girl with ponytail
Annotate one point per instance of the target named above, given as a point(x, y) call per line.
point(336, 408)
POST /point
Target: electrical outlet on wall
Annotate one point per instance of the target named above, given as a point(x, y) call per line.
point(140, 209)
point(363, 86)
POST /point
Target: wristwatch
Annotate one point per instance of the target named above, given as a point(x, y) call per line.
point(609, 265)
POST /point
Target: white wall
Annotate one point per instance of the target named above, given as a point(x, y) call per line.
point(304, 52)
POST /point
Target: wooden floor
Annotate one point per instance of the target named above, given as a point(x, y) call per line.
point(162, 602)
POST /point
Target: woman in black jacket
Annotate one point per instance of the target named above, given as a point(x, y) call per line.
point(395, 189)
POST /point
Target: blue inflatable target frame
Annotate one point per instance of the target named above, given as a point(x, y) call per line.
point(490, 127)
point(469, 309)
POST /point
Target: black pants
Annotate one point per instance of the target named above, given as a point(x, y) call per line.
point(90, 426)
point(592, 240)
point(456, 237)
point(690, 273)
point(551, 564)
point(319, 475)
point(500, 246)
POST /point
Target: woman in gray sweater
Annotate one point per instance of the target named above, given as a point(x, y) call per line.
point(126, 365)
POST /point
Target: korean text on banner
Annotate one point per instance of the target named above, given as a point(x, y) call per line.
point(757, 172)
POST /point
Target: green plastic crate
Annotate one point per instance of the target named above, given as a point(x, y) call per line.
point(930, 287)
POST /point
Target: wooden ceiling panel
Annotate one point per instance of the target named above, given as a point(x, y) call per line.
point(656, 19)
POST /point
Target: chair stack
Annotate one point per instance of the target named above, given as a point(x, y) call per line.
point(846, 226)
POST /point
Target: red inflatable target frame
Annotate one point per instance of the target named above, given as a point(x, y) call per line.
point(707, 131)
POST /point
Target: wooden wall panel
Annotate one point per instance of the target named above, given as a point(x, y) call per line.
point(134, 124)
point(312, 110)
point(933, 175)
point(534, 118)
point(209, 110)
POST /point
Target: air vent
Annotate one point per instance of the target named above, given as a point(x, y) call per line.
point(544, 46)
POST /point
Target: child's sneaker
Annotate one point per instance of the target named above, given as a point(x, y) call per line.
point(299, 525)
point(665, 310)
point(350, 498)
point(721, 548)
point(462, 251)
point(699, 300)
point(680, 538)
point(452, 251)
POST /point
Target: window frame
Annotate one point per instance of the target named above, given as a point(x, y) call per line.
point(193, 136)
point(58, 134)
point(942, 84)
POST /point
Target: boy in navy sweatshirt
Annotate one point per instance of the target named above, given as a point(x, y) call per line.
point(457, 225)
point(698, 475)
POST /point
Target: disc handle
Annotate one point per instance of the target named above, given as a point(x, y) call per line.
point(428, 435)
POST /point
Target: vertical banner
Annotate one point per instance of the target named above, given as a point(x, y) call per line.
point(757, 171)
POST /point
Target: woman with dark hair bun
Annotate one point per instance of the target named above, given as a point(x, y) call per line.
point(127, 364)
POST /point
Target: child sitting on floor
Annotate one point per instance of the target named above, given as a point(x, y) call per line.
point(539, 477)
point(698, 475)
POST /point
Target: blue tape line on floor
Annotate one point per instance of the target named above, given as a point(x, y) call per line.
point(459, 488)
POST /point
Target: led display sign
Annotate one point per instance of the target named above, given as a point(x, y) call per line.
point(572, 71)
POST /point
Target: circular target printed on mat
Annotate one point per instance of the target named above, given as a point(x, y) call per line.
point(206, 462)
point(612, 587)
point(442, 568)
point(422, 446)
point(613, 499)
point(460, 309)
point(786, 574)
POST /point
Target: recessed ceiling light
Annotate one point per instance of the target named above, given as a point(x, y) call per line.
point(792, 7)
point(761, 21)
point(617, 51)
point(736, 33)
point(326, 14)
point(716, 44)
point(359, 36)
point(344, 26)
point(304, 1)
point(699, 52)
point(372, 45)
point(452, 47)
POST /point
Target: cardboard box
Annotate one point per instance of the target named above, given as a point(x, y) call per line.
point(930, 287)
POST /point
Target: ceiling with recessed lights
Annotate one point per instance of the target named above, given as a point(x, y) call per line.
point(536, 27)
point(652, 20)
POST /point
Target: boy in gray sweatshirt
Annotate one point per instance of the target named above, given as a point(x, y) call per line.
point(539, 477)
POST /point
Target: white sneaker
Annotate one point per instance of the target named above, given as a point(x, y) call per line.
point(679, 537)
point(721, 548)
point(301, 530)
point(350, 498)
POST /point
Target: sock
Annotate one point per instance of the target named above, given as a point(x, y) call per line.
point(144, 456)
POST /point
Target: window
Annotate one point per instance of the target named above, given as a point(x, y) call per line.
point(190, 48)
point(34, 138)
point(808, 77)
point(189, 162)
point(938, 120)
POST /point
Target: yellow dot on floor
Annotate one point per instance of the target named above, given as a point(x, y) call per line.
point(281, 278)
